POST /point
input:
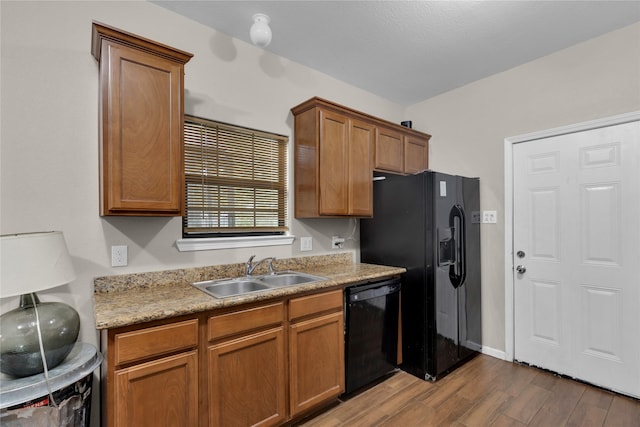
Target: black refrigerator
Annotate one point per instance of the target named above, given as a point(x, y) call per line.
point(429, 223)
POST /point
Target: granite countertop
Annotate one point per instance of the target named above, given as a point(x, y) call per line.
point(135, 298)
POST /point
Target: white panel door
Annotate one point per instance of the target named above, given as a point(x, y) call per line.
point(577, 248)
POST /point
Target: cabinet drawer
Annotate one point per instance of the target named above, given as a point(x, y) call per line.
point(154, 341)
point(245, 320)
point(312, 304)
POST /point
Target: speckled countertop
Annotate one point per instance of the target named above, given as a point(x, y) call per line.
point(135, 298)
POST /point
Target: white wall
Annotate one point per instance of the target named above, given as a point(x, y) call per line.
point(49, 175)
point(594, 79)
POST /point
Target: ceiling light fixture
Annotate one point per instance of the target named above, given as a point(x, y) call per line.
point(260, 32)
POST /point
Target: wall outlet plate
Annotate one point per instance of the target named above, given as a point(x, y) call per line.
point(119, 255)
point(306, 243)
point(337, 242)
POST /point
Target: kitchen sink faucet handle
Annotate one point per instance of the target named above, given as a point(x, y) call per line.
point(249, 266)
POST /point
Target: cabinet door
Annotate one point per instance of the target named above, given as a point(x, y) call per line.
point(389, 150)
point(163, 392)
point(247, 380)
point(142, 119)
point(316, 361)
point(361, 137)
point(416, 154)
point(334, 166)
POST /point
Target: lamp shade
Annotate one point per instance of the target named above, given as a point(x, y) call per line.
point(33, 262)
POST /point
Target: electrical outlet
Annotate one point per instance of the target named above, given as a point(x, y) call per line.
point(489, 217)
point(306, 243)
point(119, 256)
point(337, 242)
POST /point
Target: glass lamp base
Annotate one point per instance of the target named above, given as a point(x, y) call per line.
point(19, 344)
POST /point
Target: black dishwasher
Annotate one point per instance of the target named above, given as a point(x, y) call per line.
point(371, 332)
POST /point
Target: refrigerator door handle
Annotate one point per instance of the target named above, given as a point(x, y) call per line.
point(458, 270)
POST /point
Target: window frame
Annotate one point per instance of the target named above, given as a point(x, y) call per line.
point(218, 134)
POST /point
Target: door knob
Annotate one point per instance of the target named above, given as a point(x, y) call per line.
point(521, 269)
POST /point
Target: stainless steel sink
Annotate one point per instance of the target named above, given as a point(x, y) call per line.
point(230, 287)
point(289, 278)
point(244, 285)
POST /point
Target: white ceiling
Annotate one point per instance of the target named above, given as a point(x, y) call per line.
point(409, 51)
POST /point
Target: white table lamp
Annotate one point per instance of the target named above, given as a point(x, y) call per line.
point(33, 262)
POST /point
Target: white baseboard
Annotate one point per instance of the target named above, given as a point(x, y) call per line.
point(499, 354)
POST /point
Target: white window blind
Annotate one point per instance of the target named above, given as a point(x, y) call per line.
point(235, 180)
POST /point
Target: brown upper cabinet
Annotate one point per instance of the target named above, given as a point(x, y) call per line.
point(389, 153)
point(141, 124)
point(401, 151)
point(336, 150)
point(416, 153)
point(333, 155)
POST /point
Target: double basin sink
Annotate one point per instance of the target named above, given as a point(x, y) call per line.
point(244, 285)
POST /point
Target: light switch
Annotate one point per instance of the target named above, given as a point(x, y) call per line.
point(489, 217)
point(306, 243)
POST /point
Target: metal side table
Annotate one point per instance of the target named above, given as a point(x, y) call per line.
point(25, 401)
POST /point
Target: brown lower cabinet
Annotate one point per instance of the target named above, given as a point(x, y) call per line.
point(246, 367)
point(259, 365)
point(159, 392)
point(316, 350)
point(151, 376)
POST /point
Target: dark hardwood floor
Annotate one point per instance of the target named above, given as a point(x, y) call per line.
point(484, 392)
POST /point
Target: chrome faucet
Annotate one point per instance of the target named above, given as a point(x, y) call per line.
point(251, 267)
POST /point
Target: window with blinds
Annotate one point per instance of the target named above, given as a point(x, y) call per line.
point(235, 180)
